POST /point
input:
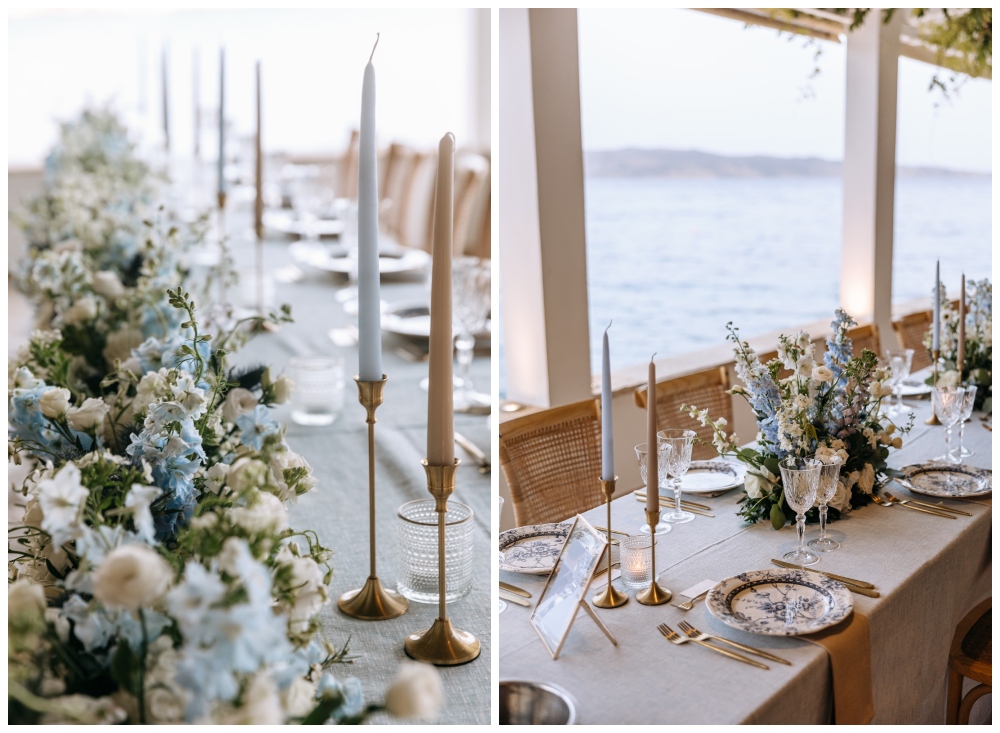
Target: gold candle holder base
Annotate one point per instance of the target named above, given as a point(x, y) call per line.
point(933, 419)
point(372, 602)
point(610, 597)
point(442, 644)
point(654, 595)
point(220, 198)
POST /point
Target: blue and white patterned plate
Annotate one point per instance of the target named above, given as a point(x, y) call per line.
point(780, 602)
point(944, 480)
point(532, 549)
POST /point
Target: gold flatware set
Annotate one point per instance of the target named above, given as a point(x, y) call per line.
point(674, 638)
point(860, 587)
point(887, 501)
point(688, 506)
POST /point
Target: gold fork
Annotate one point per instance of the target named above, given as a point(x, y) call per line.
point(940, 508)
point(888, 502)
point(674, 638)
point(688, 605)
point(693, 633)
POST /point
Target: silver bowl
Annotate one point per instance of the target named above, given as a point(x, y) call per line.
point(535, 703)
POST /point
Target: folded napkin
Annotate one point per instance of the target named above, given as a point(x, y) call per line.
point(849, 646)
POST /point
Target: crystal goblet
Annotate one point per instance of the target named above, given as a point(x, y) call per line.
point(900, 364)
point(948, 405)
point(829, 475)
point(800, 481)
point(663, 454)
point(967, 404)
point(678, 462)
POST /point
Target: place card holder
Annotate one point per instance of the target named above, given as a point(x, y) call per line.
point(565, 590)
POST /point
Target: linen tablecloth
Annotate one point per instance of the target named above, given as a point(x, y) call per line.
point(930, 571)
point(338, 509)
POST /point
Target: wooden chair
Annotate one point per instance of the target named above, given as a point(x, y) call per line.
point(971, 656)
point(552, 462)
point(865, 337)
point(347, 183)
point(911, 329)
point(706, 389)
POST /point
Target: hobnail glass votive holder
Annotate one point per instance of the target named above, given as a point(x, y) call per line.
point(636, 561)
point(417, 556)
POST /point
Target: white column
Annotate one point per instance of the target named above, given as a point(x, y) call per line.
point(870, 172)
point(543, 258)
point(479, 80)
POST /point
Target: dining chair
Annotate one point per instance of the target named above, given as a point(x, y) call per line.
point(911, 329)
point(472, 178)
point(347, 183)
point(552, 462)
point(971, 656)
point(705, 389)
point(865, 337)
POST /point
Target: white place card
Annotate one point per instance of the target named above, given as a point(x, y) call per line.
point(696, 590)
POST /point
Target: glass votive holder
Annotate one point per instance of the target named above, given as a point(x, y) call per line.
point(417, 551)
point(636, 561)
point(317, 390)
point(255, 289)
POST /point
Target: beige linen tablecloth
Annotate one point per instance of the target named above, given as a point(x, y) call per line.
point(930, 571)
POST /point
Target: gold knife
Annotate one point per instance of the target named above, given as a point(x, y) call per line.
point(669, 503)
point(939, 507)
point(856, 586)
point(473, 450)
point(511, 598)
point(514, 589)
point(642, 494)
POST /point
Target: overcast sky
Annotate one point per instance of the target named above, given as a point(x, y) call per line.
point(688, 80)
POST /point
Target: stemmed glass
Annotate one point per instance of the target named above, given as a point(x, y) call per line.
point(470, 309)
point(829, 474)
point(800, 480)
point(500, 601)
point(967, 405)
point(680, 442)
point(900, 363)
point(663, 452)
point(948, 406)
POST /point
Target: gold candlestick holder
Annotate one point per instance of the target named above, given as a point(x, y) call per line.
point(442, 644)
point(372, 602)
point(933, 419)
point(609, 597)
point(654, 595)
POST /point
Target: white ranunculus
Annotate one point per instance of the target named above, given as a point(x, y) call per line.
point(130, 577)
point(119, 345)
point(841, 500)
point(25, 598)
point(867, 478)
point(283, 389)
point(822, 374)
point(238, 402)
point(267, 514)
point(246, 472)
point(82, 311)
point(54, 402)
point(417, 692)
point(108, 284)
point(88, 415)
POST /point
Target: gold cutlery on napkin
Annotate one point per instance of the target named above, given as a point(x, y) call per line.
point(856, 586)
point(693, 633)
point(514, 589)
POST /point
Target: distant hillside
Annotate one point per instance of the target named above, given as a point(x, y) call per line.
point(638, 163)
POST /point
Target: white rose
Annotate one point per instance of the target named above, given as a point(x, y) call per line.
point(119, 345)
point(867, 479)
point(24, 598)
point(54, 402)
point(822, 374)
point(950, 378)
point(299, 697)
point(754, 485)
point(108, 284)
point(841, 500)
point(416, 692)
point(85, 309)
point(88, 415)
point(267, 514)
point(238, 402)
point(283, 389)
point(131, 576)
point(245, 473)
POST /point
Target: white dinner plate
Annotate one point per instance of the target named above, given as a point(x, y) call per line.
point(532, 549)
point(946, 480)
point(914, 388)
point(413, 320)
point(393, 259)
point(780, 602)
point(709, 477)
point(287, 221)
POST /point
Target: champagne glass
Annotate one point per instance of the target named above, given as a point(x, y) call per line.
point(829, 475)
point(900, 363)
point(948, 406)
point(800, 480)
point(967, 404)
point(470, 309)
point(663, 451)
point(680, 442)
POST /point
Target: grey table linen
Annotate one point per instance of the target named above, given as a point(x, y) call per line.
point(338, 509)
point(930, 571)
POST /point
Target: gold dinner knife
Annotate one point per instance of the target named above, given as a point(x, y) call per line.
point(855, 586)
point(514, 589)
point(511, 598)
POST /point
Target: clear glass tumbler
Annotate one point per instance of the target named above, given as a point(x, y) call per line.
point(417, 551)
point(800, 482)
point(318, 389)
point(636, 561)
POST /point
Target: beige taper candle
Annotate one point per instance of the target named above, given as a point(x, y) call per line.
point(440, 390)
point(652, 448)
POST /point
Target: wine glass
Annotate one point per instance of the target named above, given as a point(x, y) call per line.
point(470, 309)
point(900, 363)
point(663, 453)
point(829, 475)
point(948, 405)
point(681, 442)
point(502, 605)
point(967, 405)
point(800, 480)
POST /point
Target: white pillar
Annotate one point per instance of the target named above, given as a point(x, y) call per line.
point(870, 172)
point(543, 258)
point(479, 81)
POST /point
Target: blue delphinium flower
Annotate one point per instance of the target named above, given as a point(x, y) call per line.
point(256, 426)
point(349, 690)
point(839, 347)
